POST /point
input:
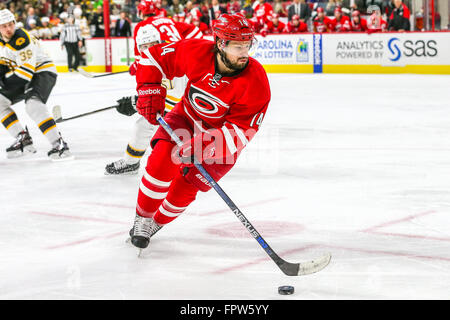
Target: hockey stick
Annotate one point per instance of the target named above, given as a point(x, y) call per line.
point(290, 269)
point(58, 117)
point(90, 75)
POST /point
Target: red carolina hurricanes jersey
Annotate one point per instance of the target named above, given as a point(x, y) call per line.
point(302, 27)
point(235, 105)
point(361, 26)
point(169, 30)
point(341, 25)
point(271, 28)
point(322, 25)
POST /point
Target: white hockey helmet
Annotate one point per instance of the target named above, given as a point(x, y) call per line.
point(146, 35)
point(64, 15)
point(6, 16)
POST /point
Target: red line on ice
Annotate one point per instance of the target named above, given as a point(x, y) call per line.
point(389, 223)
point(74, 243)
point(257, 261)
point(56, 215)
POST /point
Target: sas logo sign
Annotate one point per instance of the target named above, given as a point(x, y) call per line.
point(419, 48)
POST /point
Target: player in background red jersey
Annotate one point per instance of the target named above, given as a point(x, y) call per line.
point(340, 23)
point(321, 22)
point(375, 23)
point(218, 116)
point(358, 24)
point(296, 26)
point(169, 29)
point(274, 26)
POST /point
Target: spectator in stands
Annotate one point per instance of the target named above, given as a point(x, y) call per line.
point(97, 22)
point(263, 10)
point(358, 24)
point(329, 7)
point(82, 22)
point(191, 11)
point(280, 8)
point(45, 32)
point(215, 11)
point(32, 17)
point(399, 18)
point(299, 8)
point(247, 9)
point(340, 22)
point(160, 11)
point(352, 5)
point(176, 7)
point(233, 6)
point(123, 26)
point(296, 25)
point(321, 22)
point(380, 3)
point(33, 29)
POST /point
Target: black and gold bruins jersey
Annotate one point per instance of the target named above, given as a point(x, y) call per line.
point(24, 57)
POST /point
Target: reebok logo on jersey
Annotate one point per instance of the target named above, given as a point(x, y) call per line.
point(149, 91)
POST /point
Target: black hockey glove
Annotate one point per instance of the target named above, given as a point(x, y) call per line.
point(127, 105)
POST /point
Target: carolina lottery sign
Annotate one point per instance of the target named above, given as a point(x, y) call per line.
point(284, 49)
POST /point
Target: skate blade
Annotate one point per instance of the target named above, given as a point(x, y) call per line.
point(129, 173)
point(18, 153)
point(63, 157)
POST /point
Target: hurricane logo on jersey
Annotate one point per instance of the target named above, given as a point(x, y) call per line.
point(206, 104)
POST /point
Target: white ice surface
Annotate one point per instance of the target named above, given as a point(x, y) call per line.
point(355, 165)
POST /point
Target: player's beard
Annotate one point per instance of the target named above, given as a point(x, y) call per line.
point(230, 65)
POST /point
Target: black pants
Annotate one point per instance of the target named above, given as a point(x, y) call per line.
point(40, 87)
point(72, 52)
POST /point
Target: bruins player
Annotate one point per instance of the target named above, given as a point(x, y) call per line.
point(146, 37)
point(26, 73)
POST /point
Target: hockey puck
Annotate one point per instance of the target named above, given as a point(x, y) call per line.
point(286, 290)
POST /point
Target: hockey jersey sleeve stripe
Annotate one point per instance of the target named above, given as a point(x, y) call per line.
point(45, 66)
point(193, 33)
point(149, 61)
point(240, 134)
point(23, 74)
point(229, 140)
point(28, 66)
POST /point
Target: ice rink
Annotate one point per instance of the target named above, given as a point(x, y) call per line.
point(354, 165)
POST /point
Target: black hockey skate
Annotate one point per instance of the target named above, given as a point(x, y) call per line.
point(22, 145)
point(60, 151)
point(142, 231)
point(120, 167)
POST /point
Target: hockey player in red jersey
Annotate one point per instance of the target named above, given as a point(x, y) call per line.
point(321, 22)
point(296, 26)
point(375, 22)
point(358, 24)
point(340, 23)
point(223, 106)
point(169, 29)
point(274, 25)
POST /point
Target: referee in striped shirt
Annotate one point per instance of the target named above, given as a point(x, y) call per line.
point(70, 38)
